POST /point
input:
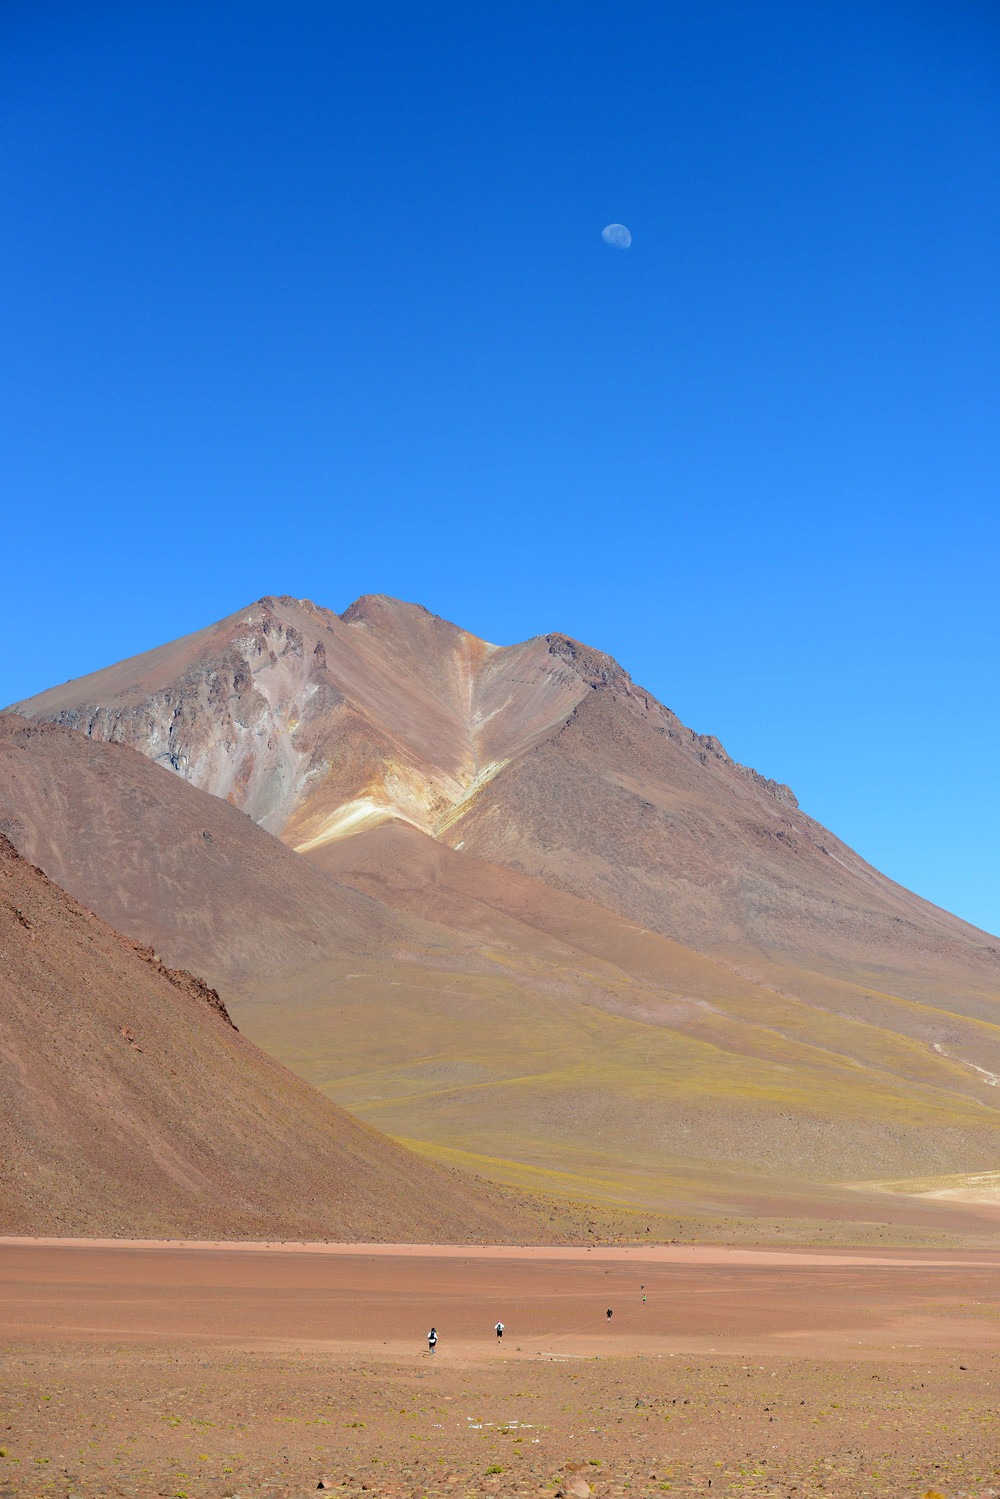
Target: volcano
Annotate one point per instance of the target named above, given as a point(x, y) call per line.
point(525, 918)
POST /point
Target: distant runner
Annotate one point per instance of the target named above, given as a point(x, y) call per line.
point(432, 1339)
point(499, 1331)
point(610, 1314)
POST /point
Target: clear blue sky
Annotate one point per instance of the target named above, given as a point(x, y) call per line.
point(311, 298)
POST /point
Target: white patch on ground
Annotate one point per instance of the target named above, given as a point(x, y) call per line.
point(353, 817)
point(983, 1186)
point(990, 1078)
point(479, 780)
point(965, 1186)
point(406, 796)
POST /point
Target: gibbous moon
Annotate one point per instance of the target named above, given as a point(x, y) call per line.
point(617, 236)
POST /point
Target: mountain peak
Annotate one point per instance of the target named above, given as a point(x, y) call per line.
point(400, 617)
point(594, 667)
point(371, 605)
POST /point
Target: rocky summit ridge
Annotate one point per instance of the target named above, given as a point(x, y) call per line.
point(317, 724)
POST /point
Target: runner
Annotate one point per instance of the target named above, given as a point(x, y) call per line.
point(432, 1339)
point(499, 1331)
point(610, 1314)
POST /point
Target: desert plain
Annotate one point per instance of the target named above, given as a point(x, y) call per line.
point(357, 928)
point(282, 1369)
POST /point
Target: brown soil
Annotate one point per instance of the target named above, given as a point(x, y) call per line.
point(204, 1372)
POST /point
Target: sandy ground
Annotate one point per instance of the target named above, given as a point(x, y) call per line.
point(210, 1371)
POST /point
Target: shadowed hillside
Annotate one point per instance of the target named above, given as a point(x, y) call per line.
point(130, 1106)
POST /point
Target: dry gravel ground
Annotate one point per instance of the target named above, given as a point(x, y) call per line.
point(204, 1372)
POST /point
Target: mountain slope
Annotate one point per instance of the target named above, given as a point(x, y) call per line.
point(188, 871)
point(630, 1060)
point(596, 954)
point(544, 757)
point(612, 807)
point(130, 1106)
